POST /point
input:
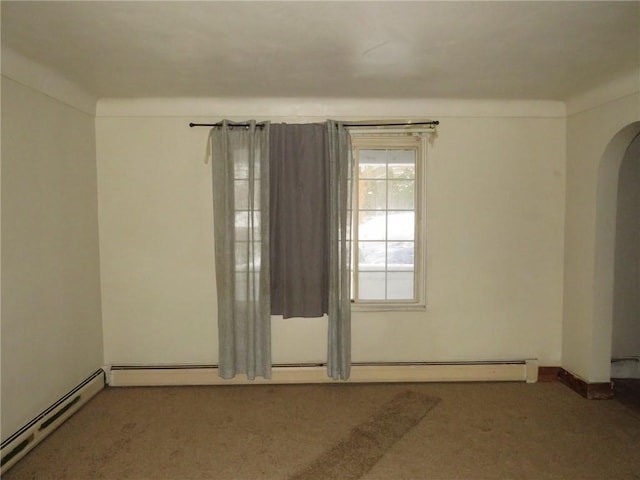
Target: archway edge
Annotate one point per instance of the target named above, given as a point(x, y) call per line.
point(606, 207)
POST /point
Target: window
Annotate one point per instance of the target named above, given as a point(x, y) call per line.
point(389, 230)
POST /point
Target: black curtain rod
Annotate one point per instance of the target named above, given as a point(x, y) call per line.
point(346, 124)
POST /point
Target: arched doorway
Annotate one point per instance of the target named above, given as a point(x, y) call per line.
point(625, 346)
point(606, 225)
point(605, 241)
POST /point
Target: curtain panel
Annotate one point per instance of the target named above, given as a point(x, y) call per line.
point(340, 189)
point(240, 173)
point(299, 220)
point(282, 221)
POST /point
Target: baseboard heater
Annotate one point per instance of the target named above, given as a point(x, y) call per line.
point(20, 443)
point(172, 375)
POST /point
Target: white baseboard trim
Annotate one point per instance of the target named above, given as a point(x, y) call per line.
point(166, 375)
point(20, 443)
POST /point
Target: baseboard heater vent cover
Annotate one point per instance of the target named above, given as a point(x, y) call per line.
point(168, 375)
point(20, 443)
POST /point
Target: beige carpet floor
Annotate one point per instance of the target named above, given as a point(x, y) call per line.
point(450, 431)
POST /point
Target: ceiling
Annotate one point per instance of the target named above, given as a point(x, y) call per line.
point(482, 49)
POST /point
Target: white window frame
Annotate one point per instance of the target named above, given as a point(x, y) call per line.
point(379, 138)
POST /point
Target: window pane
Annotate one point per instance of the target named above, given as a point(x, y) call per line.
point(247, 288)
point(241, 194)
point(242, 226)
point(371, 285)
point(373, 194)
point(401, 156)
point(241, 164)
point(256, 226)
point(242, 256)
point(400, 256)
point(401, 194)
point(372, 255)
point(376, 157)
point(400, 285)
point(369, 170)
point(372, 226)
point(402, 164)
point(401, 225)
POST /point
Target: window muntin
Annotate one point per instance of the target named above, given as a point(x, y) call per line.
point(388, 228)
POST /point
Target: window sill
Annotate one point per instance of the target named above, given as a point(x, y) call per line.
point(388, 307)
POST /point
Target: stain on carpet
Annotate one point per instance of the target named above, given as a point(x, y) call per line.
point(355, 455)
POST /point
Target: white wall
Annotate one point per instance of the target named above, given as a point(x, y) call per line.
point(51, 315)
point(495, 212)
point(598, 133)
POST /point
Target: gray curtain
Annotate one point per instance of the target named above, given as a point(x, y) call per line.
point(298, 220)
point(340, 162)
point(240, 172)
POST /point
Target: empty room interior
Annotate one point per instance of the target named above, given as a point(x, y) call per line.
point(480, 278)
